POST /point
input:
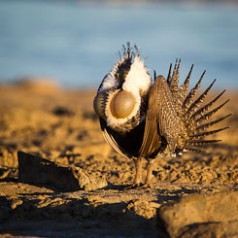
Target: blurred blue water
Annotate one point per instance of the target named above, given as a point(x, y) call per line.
point(78, 44)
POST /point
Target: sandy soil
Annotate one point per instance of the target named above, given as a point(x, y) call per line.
point(44, 121)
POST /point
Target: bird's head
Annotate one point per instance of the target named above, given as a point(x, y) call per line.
point(122, 91)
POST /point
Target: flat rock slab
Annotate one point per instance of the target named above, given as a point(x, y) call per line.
point(200, 215)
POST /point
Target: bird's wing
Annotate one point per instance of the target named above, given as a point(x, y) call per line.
point(110, 139)
point(171, 127)
point(151, 139)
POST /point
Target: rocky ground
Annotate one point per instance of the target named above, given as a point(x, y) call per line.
point(58, 177)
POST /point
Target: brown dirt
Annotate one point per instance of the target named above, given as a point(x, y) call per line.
point(59, 125)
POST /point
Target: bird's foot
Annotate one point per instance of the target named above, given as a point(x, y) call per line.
point(140, 186)
point(138, 181)
point(138, 177)
point(147, 185)
point(149, 175)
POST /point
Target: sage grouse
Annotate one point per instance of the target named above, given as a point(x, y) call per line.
point(144, 119)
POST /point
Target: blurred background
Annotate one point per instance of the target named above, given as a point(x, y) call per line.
point(77, 42)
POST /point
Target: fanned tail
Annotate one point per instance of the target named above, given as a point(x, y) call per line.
point(201, 142)
point(175, 78)
point(207, 133)
point(195, 150)
point(183, 89)
point(212, 112)
point(189, 99)
point(197, 103)
point(205, 126)
point(169, 74)
point(202, 111)
point(176, 90)
point(192, 110)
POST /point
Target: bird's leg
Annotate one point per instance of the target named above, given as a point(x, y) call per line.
point(138, 166)
point(149, 172)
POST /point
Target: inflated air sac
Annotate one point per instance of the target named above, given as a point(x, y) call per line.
point(122, 104)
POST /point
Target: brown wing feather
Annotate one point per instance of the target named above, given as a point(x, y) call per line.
point(127, 144)
point(110, 139)
point(151, 139)
point(170, 125)
point(161, 120)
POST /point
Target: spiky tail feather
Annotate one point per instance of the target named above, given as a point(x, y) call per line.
point(188, 106)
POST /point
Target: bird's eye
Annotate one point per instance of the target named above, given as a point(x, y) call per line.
point(122, 104)
point(117, 75)
point(121, 74)
point(124, 75)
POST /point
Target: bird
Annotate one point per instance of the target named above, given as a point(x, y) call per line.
point(145, 118)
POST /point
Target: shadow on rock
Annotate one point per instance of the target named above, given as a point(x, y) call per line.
point(41, 172)
point(61, 216)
